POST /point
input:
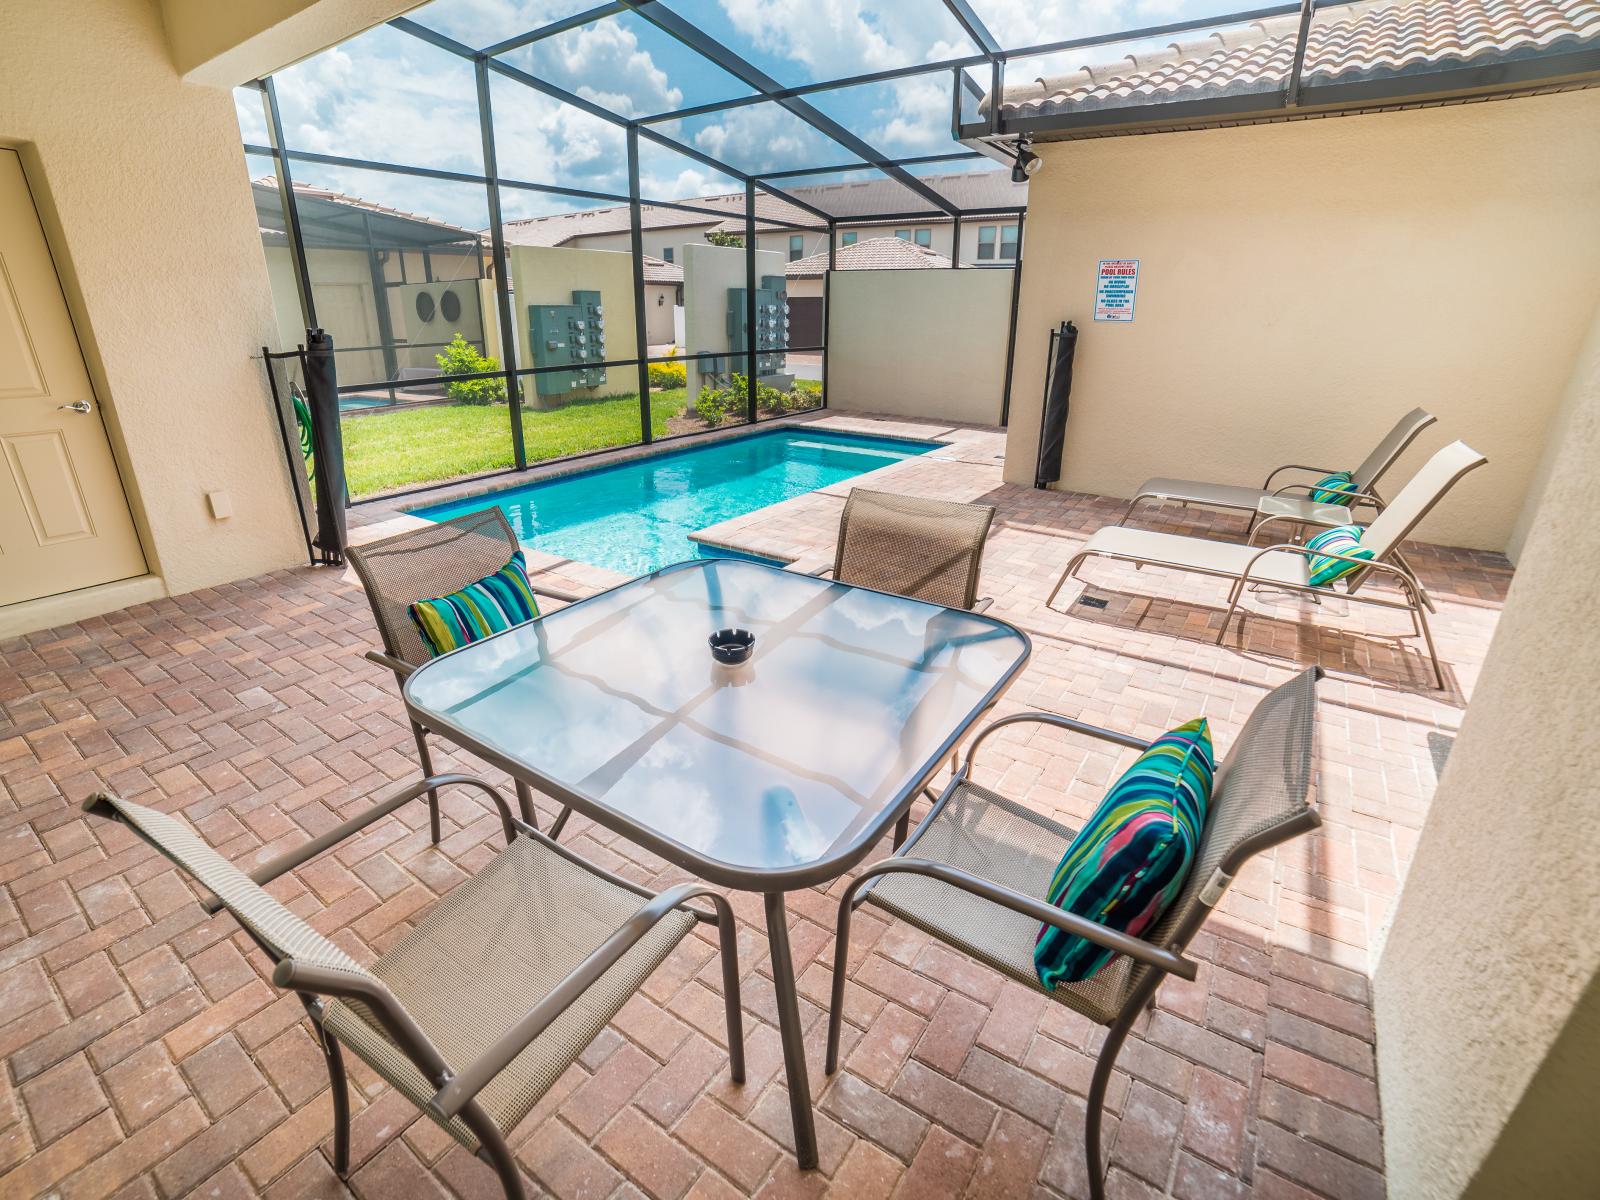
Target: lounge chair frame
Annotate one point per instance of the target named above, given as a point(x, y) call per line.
point(421, 564)
point(457, 1085)
point(1443, 471)
point(1226, 845)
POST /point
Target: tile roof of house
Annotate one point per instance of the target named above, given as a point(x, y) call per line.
point(267, 188)
point(659, 270)
point(873, 254)
point(984, 189)
point(1374, 40)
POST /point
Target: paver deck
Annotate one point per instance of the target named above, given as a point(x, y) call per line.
point(147, 1055)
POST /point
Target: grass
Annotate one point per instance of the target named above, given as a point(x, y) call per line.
point(422, 445)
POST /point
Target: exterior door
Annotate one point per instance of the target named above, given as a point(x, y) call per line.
point(805, 321)
point(64, 520)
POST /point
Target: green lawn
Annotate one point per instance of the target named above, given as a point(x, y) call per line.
point(420, 445)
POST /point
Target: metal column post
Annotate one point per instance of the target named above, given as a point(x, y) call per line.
point(636, 234)
point(502, 273)
point(751, 362)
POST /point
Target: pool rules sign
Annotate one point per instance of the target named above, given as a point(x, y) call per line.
point(1116, 283)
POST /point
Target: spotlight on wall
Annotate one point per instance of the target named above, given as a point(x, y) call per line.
point(1028, 163)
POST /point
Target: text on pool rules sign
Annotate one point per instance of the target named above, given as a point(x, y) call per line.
point(1116, 284)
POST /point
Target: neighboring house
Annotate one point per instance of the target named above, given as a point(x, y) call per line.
point(984, 240)
point(663, 294)
point(885, 252)
point(432, 276)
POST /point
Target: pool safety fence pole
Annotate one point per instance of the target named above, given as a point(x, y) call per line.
point(322, 391)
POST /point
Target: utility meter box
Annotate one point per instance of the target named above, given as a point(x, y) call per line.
point(772, 326)
point(572, 336)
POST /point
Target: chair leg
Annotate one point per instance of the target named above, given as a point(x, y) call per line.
point(1234, 597)
point(426, 759)
point(1419, 609)
point(492, 1149)
point(560, 823)
point(1128, 512)
point(1072, 569)
point(341, 1100)
point(841, 951)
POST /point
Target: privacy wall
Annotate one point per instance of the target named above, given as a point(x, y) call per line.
point(929, 344)
point(1303, 284)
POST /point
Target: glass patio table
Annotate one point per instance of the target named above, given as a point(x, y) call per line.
point(776, 774)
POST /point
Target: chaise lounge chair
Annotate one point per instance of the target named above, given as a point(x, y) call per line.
point(1287, 565)
point(1284, 500)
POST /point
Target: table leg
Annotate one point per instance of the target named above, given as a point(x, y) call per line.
point(794, 1049)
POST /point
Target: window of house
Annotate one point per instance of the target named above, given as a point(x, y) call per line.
point(925, 238)
point(797, 246)
point(986, 241)
point(903, 234)
point(666, 254)
point(1008, 241)
point(849, 239)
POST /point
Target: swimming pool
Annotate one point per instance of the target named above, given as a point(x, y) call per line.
point(636, 517)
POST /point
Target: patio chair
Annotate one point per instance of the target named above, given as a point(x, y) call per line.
point(497, 989)
point(976, 873)
point(1287, 565)
point(420, 564)
point(925, 549)
point(1283, 501)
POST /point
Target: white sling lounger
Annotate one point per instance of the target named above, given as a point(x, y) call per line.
point(1287, 565)
point(1291, 499)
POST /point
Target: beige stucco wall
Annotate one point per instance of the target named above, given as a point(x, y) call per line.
point(142, 187)
point(1303, 284)
point(549, 275)
point(919, 343)
point(225, 44)
point(1487, 993)
point(708, 272)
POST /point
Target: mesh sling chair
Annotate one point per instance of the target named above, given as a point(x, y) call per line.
point(497, 989)
point(421, 564)
point(925, 549)
point(1292, 499)
point(1287, 565)
point(976, 871)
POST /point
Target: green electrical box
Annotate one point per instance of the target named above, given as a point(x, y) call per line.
point(772, 326)
point(571, 336)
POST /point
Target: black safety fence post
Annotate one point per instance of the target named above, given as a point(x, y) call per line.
point(1057, 392)
point(322, 390)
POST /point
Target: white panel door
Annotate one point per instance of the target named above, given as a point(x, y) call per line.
point(64, 520)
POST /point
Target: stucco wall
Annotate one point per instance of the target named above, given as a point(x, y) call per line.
point(1304, 284)
point(229, 44)
point(1487, 982)
point(142, 187)
point(919, 343)
point(708, 273)
point(546, 275)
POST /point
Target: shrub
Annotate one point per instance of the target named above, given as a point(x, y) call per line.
point(461, 357)
point(668, 375)
point(713, 404)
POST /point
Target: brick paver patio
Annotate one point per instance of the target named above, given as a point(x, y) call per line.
point(147, 1054)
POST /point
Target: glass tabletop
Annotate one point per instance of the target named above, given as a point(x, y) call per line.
point(786, 766)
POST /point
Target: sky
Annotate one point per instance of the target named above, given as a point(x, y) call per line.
point(390, 97)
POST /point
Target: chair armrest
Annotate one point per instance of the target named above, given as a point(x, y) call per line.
point(456, 1092)
point(1267, 486)
point(399, 667)
point(1135, 948)
point(983, 604)
point(290, 859)
point(1044, 718)
point(1308, 488)
point(539, 589)
point(300, 976)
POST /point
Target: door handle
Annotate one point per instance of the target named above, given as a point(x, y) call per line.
point(77, 406)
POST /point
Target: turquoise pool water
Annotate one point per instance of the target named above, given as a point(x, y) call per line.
point(637, 516)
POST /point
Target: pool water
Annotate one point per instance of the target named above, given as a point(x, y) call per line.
point(637, 517)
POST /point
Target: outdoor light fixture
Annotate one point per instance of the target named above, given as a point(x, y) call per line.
point(1028, 163)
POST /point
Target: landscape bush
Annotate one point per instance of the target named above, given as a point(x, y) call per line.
point(461, 357)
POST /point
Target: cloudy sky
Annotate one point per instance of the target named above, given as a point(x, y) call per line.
point(389, 97)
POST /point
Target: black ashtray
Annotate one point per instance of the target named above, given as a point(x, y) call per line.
point(732, 646)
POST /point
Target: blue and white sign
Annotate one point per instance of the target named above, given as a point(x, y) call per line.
point(1116, 284)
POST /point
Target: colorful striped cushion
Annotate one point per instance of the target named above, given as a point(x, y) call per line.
point(1344, 539)
point(1337, 488)
point(495, 602)
point(1130, 861)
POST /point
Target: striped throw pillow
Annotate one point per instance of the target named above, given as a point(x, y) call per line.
point(1344, 539)
point(495, 602)
point(1128, 864)
point(1337, 488)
